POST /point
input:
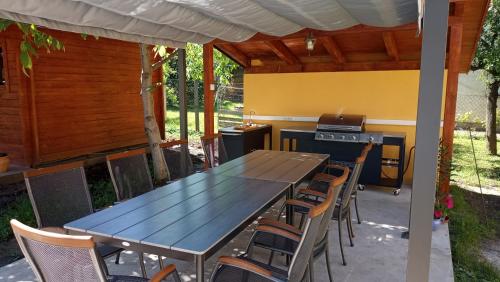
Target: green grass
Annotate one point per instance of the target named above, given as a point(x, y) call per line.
point(172, 121)
point(19, 209)
point(463, 161)
point(466, 233)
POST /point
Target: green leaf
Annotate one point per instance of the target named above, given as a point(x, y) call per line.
point(25, 60)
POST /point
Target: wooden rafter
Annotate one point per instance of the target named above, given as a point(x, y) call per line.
point(279, 48)
point(329, 67)
point(390, 45)
point(332, 48)
point(234, 53)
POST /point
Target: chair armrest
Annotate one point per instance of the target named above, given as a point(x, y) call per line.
point(298, 203)
point(246, 265)
point(281, 225)
point(323, 177)
point(278, 231)
point(164, 273)
point(310, 192)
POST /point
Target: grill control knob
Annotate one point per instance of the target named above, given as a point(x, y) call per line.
point(343, 137)
point(371, 138)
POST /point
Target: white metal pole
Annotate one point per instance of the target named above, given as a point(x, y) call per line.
point(435, 29)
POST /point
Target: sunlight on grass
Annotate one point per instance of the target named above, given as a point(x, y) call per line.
point(463, 161)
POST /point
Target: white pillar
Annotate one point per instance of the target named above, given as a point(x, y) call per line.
point(435, 29)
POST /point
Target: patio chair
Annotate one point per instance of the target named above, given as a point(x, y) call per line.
point(214, 149)
point(244, 268)
point(59, 194)
point(60, 257)
point(178, 159)
point(286, 246)
point(130, 173)
point(343, 206)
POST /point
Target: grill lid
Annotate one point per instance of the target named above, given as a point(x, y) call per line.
point(347, 123)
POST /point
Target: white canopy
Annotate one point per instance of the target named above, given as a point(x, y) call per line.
point(175, 22)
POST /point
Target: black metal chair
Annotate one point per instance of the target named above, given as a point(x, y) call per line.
point(178, 159)
point(130, 173)
point(343, 209)
point(214, 149)
point(287, 246)
point(244, 268)
point(59, 194)
point(131, 178)
point(65, 258)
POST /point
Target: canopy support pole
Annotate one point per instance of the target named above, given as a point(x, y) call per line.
point(208, 87)
point(427, 138)
point(181, 72)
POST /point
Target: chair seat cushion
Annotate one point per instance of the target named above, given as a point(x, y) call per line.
point(273, 242)
point(121, 278)
point(228, 273)
point(106, 250)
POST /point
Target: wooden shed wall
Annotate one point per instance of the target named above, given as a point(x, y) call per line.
point(83, 100)
point(15, 135)
point(87, 97)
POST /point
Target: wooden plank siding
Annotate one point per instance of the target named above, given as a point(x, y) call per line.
point(15, 135)
point(79, 101)
point(87, 97)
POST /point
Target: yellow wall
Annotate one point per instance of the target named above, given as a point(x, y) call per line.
point(381, 95)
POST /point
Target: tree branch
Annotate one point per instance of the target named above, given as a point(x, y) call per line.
point(158, 64)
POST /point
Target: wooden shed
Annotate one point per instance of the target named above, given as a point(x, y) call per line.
point(72, 103)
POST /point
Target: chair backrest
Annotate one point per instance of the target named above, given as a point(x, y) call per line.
point(335, 186)
point(302, 254)
point(59, 257)
point(214, 149)
point(130, 173)
point(353, 179)
point(58, 194)
point(178, 159)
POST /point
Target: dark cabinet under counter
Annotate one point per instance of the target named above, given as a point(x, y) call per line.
point(240, 141)
point(302, 139)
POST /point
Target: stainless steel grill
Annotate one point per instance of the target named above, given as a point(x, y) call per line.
point(345, 128)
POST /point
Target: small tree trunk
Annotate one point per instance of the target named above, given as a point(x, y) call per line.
point(160, 170)
point(491, 118)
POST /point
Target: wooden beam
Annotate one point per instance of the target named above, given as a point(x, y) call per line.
point(208, 85)
point(329, 67)
point(279, 48)
point(234, 53)
point(450, 106)
point(181, 89)
point(390, 45)
point(332, 48)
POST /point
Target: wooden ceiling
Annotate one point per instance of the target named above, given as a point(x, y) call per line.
point(359, 48)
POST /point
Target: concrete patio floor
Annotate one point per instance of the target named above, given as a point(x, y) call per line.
point(379, 254)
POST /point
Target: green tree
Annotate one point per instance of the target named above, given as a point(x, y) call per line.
point(33, 39)
point(488, 59)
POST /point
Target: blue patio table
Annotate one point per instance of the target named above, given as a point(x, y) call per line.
point(194, 217)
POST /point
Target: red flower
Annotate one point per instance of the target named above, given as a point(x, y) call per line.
point(438, 214)
point(448, 201)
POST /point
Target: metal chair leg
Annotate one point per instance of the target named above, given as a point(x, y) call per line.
point(311, 269)
point(349, 230)
point(340, 241)
point(301, 221)
point(271, 258)
point(117, 259)
point(356, 207)
point(143, 267)
point(160, 262)
point(327, 257)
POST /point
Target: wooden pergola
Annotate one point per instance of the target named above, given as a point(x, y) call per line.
point(359, 48)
